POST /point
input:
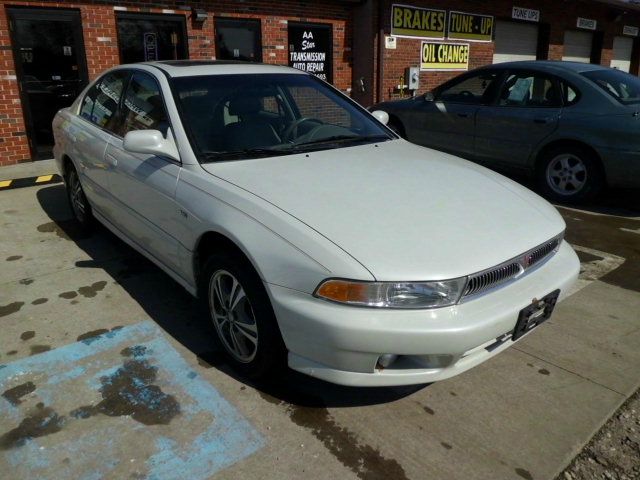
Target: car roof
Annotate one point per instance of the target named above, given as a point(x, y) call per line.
point(191, 68)
point(551, 66)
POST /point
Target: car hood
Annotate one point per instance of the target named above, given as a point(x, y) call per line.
point(404, 212)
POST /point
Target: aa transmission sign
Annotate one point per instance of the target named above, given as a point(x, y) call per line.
point(444, 56)
point(310, 49)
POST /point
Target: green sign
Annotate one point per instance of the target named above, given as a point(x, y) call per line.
point(469, 26)
point(414, 22)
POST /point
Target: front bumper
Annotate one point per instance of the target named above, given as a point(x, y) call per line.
point(342, 344)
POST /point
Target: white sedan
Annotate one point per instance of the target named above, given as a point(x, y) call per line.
point(314, 234)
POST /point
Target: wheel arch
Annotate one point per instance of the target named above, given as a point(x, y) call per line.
point(210, 242)
point(570, 143)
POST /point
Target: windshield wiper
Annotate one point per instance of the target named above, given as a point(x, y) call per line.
point(345, 139)
point(244, 153)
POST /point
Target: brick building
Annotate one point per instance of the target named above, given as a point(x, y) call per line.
point(49, 50)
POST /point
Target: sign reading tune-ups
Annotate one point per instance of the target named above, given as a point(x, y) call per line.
point(444, 56)
point(468, 26)
point(414, 22)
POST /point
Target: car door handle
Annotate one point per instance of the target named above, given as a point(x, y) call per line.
point(542, 120)
point(464, 115)
point(111, 160)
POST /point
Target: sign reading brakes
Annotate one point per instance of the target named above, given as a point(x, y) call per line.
point(468, 26)
point(417, 22)
point(444, 56)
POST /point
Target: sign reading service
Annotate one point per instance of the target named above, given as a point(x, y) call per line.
point(468, 26)
point(414, 22)
point(444, 56)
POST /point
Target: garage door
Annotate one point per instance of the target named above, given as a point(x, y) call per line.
point(577, 46)
point(515, 41)
point(622, 48)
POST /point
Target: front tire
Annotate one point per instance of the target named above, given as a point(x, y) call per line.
point(78, 202)
point(242, 316)
point(570, 174)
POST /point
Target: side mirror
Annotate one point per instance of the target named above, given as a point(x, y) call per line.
point(429, 97)
point(381, 116)
point(151, 142)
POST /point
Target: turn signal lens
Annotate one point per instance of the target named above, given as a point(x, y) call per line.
point(393, 294)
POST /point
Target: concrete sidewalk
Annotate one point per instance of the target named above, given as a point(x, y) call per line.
point(524, 414)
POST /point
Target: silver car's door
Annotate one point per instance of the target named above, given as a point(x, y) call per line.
point(144, 185)
point(91, 133)
point(525, 113)
point(448, 122)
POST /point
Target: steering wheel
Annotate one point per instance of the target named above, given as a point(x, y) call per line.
point(466, 93)
point(291, 132)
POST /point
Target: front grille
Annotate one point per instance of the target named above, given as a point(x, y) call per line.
point(541, 252)
point(481, 281)
point(492, 278)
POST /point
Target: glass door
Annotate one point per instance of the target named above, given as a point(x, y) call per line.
point(51, 68)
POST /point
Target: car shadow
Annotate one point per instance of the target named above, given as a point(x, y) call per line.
point(185, 319)
point(615, 202)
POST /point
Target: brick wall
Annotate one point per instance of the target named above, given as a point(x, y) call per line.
point(558, 15)
point(101, 44)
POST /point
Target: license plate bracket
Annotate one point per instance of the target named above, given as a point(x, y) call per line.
point(535, 314)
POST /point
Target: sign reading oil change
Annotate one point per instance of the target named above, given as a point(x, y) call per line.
point(444, 56)
point(468, 26)
point(414, 22)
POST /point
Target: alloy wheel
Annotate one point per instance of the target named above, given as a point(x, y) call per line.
point(233, 316)
point(78, 200)
point(566, 174)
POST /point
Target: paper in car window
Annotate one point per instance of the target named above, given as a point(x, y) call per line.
point(141, 108)
point(520, 90)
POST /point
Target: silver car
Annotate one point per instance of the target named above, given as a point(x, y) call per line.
point(573, 126)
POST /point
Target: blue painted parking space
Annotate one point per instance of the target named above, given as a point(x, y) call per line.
point(110, 405)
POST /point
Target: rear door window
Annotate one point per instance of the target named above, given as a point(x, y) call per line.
point(527, 89)
point(100, 104)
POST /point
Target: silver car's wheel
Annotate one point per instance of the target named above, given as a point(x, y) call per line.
point(233, 316)
point(78, 200)
point(566, 174)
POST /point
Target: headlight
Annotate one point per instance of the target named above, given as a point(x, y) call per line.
point(393, 294)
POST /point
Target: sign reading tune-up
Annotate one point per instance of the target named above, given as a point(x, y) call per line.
point(444, 56)
point(417, 22)
point(468, 26)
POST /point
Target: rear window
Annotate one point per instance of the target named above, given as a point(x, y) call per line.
point(620, 85)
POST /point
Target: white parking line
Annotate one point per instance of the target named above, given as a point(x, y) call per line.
point(592, 270)
point(630, 230)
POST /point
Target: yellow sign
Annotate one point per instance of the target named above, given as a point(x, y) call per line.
point(468, 26)
point(414, 22)
point(444, 56)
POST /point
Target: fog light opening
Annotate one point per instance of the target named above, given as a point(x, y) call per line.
point(384, 361)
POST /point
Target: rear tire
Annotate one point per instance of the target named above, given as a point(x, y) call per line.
point(570, 174)
point(240, 310)
point(78, 202)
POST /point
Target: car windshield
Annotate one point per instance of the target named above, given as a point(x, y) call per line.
point(249, 116)
point(620, 85)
